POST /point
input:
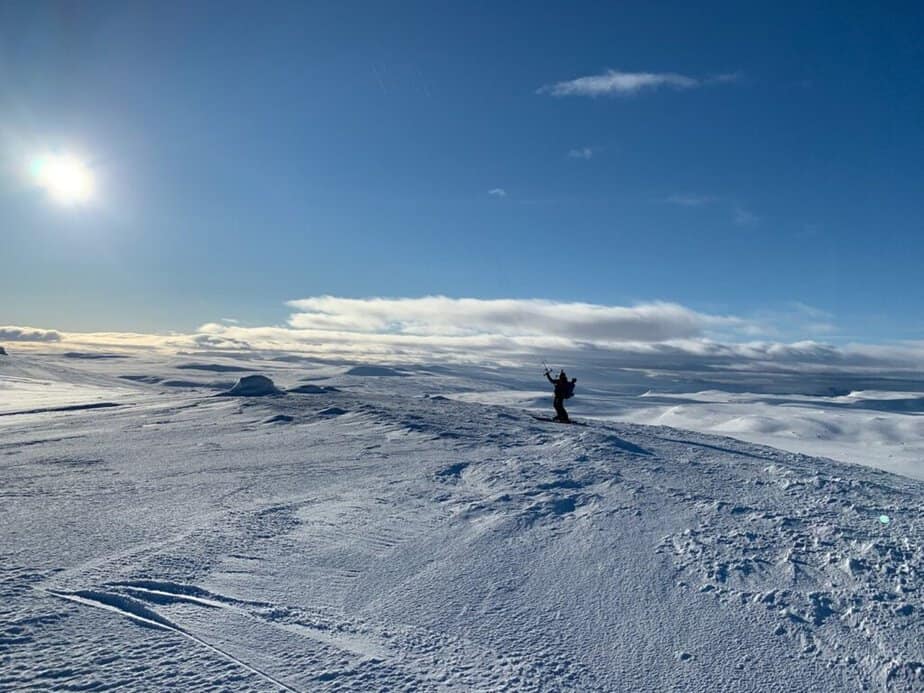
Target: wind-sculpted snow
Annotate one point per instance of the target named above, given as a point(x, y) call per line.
point(310, 389)
point(253, 386)
point(374, 371)
point(880, 429)
point(366, 538)
point(214, 367)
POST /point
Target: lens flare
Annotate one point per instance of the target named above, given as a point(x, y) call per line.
point(65, 178)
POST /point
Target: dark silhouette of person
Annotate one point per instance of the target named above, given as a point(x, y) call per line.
point(563, 389)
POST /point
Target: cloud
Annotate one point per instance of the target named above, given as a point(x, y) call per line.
point(582, 153)
point(793, 319)
point(697, 355)
point(744, 217)
point(655, 337)
point(497, 192)
point(443, 316)
point(690, 199)
point(616, 82)
point(11, 333)
point(740, 215)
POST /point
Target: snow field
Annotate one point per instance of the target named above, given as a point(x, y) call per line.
point(355, 537)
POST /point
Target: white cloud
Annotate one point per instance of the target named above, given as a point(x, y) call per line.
point(709, 357)
point(616, 82)
point(12, 333)
point(443, 316)
point(582, 153)
point(796, 318)
point(650, 337)
point(497, 192)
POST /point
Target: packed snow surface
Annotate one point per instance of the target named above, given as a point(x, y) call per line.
point(375, 534)
point(879, 429)
point(253, 386)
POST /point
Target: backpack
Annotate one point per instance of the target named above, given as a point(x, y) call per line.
point(569, 390)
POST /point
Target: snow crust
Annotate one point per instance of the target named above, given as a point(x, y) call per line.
point(879, 429)
point(400, 534)
point(373, 371)
point(253, 386)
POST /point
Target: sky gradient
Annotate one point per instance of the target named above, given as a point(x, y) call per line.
point(757, 160)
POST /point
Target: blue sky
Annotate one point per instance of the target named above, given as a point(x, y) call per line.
point(760, 160)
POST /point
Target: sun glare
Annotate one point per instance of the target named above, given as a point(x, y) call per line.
point(65, 178)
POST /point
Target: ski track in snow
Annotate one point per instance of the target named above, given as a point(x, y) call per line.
point(356, 539)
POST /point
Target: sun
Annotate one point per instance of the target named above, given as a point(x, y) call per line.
point(65, 178)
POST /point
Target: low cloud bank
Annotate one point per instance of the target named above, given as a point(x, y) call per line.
point(651, 337)
point(12, 333)
point(439, 316)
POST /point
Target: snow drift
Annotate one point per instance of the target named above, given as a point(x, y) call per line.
point(253, 386)
point(374, 372)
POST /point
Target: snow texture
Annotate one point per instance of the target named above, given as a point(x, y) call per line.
point(309, 389)
point(374, 371)
point(253, 386)
point(377, 537)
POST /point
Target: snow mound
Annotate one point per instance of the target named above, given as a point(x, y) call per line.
point(196, 383)
point(279, 418)
point(374, 371)
point(332, 412)
point(906, 405)
point(253, 386)
point(214, 367)
point(149, 379)
point(752, 424)
point(313, 389)
point(91, 356)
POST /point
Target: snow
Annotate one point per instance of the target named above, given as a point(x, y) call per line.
point(309, 389)
point(253, 386)
point(401, 534)
point(373, 371)
point(215, 367)
point(884, 430)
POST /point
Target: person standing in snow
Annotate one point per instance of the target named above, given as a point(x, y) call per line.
point(563, 390)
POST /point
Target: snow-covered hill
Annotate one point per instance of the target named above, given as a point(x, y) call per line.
point(371, 533)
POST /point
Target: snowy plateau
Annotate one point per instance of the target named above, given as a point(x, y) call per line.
point(200, 522)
